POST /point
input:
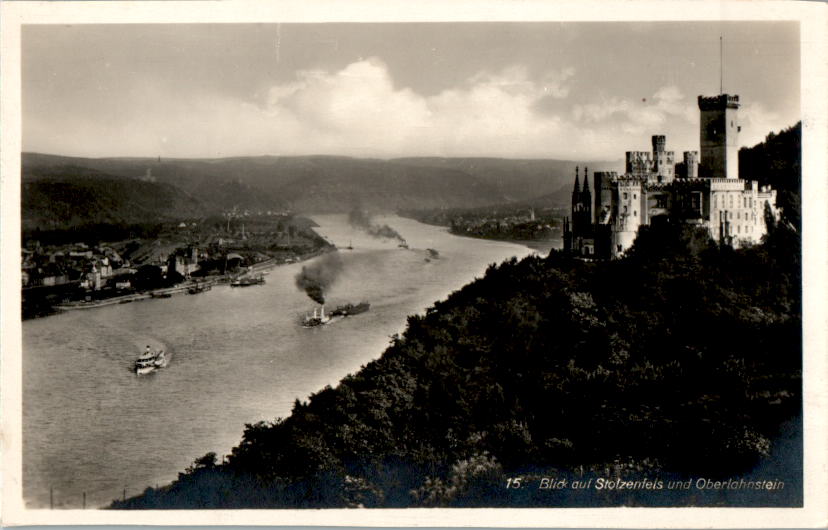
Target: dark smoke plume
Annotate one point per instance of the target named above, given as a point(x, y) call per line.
point(358, 218)
point(319, 276)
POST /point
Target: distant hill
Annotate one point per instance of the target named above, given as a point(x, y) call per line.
point(61, 201)
point(517, 179)
point(216, 189)
point(560, 198)
point(337, 184)
point(331, 183)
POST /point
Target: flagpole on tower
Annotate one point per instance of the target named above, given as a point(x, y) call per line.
point(721, 66)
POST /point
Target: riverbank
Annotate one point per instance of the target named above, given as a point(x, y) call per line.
point(185, 287)
point(541, 246)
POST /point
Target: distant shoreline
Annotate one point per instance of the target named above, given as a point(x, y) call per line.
point(543, 246)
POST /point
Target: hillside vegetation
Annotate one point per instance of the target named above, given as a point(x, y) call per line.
point(76, 197)
point(681, 360)
point(777, 162)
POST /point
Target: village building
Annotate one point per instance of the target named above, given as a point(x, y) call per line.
point(183, 262)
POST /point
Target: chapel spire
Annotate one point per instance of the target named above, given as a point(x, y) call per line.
point(576, 189)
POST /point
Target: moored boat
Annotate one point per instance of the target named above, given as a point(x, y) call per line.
point(199, 288)
point(246, 281)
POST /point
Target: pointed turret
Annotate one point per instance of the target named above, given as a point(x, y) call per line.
point(577, 186)
point(586, 181)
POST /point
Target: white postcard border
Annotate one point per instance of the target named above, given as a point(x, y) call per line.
point(814, 94)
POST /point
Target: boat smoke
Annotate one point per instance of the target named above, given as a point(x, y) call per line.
point(319, 276)
point(360, 219)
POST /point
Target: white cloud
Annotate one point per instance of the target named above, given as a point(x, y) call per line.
point(756, 122)
point(353, 111)
point(359, 111)
point(637, 117)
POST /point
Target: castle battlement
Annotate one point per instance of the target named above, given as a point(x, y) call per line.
point(720, 102)
point(731, 184)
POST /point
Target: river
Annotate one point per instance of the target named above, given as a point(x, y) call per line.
point(239, 356)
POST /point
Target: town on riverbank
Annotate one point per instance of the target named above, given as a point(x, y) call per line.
point(62, 273)
point(536, 226)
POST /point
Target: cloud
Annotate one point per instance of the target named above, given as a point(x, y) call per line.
point(756, 122)
point(358, 111)
point(637, 117)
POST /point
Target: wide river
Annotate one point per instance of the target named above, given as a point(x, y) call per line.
point(239, 356)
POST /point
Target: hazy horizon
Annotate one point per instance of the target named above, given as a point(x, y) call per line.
point(619, 159)
point(551, 90)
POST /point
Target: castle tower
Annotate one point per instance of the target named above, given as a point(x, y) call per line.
point(691, 164)
point(664, 163)
point(719, 135)
point(659, 143)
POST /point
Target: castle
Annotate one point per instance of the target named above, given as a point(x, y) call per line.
point(704, 191)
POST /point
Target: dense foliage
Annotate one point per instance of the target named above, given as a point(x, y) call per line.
point(777, 162)
point(83, 202)
point(682, 359)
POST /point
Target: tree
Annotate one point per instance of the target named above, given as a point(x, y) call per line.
point(148, 277)
point(174, 277)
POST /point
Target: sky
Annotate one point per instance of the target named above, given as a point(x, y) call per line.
point(566, 90)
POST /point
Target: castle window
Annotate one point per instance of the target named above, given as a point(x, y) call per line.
point(625, 196)
point(635, 213)
point(635, 196)
point(625, 208)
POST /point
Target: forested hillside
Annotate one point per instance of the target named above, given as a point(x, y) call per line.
point(777, 162)
point(74, 197)
point(680, 361)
